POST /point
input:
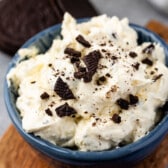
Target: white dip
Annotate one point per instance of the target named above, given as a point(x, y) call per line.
point(95, 88)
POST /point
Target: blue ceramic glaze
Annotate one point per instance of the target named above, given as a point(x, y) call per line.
point(127, 155)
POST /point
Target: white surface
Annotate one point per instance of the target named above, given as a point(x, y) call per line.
point(138, 11)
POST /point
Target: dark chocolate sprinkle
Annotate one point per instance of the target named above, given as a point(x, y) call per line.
point(133, 54)
point(133, 99)
point(48, 112)
point(65, 110)
point(148, 49)
point(136, 66)
point(82, 41)
point(72, 52)
point(157, 77)
point(44, 95)
point(116, 118)
point(124, 104)
point(62, 89)
point(147, 61)
point(32, 82)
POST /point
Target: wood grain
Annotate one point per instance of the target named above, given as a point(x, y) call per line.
point(15, 152)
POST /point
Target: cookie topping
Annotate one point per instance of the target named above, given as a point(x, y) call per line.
point(91, 60)
point(72, 52)
point(148, 49)
point(114, 35)
point(116, 118)
point(114, 57)
point(101, 80)
point(74, 55)
point(147, 61)
point(82, 41)
point(157, 77)
point(65, 110)
point(133, 99)
point(124, 104)
point(136, 65)
point(44, 95)
point(33, 82)
point(133, 54)
point(81, 73)
point(48, 112)
point(62, 89)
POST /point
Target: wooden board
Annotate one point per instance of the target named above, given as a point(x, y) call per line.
point(16, 153)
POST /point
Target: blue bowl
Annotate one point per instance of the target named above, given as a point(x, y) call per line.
point(127, 155)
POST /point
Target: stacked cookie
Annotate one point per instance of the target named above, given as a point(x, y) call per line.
point(22, 19)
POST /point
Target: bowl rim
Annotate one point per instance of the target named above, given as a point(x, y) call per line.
point(160, 129)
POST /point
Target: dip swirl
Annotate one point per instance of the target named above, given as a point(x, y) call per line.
point(95, 88)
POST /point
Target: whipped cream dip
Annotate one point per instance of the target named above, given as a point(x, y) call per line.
point(95, 88)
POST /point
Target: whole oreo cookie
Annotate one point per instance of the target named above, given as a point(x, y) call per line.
point(22, 19)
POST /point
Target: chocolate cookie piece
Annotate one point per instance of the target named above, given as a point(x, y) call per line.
point(62, 89)
point(22, 19)
point(65, 110)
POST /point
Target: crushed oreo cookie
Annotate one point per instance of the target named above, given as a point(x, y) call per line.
point(74, 55)
point(74, 60)
point(81, 73)
point(114, 35)
point(48, 112)
point(133, 99)
point(62, 89)
point(82, 41)
point(44, 95)
point(116, 118)
point(133, 54)
point(136, 65)
point(65, 110)
point(148, 49)
point(91, 61)
point(157, 77)
point(108, 75)
point(124, 104)
point(101, 80)
point(72, 52)
point(147, 61)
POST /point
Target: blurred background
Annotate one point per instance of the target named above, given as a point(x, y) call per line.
point(139, 12)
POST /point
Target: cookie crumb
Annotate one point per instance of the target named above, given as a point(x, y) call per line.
point(83, 41)
point(116, 118)
point(44, 95)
